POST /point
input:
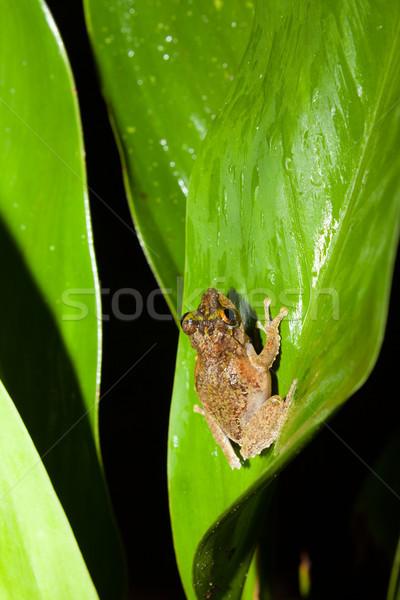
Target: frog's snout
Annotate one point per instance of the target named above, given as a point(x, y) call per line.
point(188, 324)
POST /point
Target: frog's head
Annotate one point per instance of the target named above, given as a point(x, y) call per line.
point(215, 320)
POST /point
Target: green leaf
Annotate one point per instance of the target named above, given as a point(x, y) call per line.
point(165, 68)
point(394, 583)
point(50, 344)
point(42, 558)
point(295, 196)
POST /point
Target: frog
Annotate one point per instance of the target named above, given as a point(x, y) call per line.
point(233, 381)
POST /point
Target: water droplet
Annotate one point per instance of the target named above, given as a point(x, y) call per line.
point(183, 187)
point(316, 96)
point(316, 179)
point(131, 53)
point(166, 56)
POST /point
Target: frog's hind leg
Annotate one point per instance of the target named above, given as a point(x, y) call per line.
point(220, 437)
point(266, 424)
point(265, 359)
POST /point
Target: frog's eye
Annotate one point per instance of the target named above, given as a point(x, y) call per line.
point(229, 316)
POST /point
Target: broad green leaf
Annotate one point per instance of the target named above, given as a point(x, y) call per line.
point(49, 347)
point(165, 69)
point(42, 559)
point(295, 196)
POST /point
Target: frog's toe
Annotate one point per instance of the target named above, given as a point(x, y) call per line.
point(259, 325)
point(235, 463)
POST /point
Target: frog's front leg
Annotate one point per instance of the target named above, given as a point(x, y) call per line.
point(220, 437)
point(265, 424)
point(265, 359)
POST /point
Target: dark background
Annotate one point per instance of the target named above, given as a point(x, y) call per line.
point(314, 504)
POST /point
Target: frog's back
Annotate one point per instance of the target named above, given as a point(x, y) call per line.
point(230, 391)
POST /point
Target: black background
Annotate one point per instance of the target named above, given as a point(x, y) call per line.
point(316, 493)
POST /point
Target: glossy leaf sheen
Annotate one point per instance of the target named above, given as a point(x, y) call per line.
point(295, 195)
point(165, 68)
point(42, 558)
point(49, 347)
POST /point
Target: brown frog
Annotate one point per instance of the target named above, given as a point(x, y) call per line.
point(233, 381)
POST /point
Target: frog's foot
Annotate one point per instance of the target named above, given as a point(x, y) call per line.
point(271, 328)
point(267, 304)
point(289, 396)
point(275, 323)
point(266, 424)
point(259, 325)
point(220, 437)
